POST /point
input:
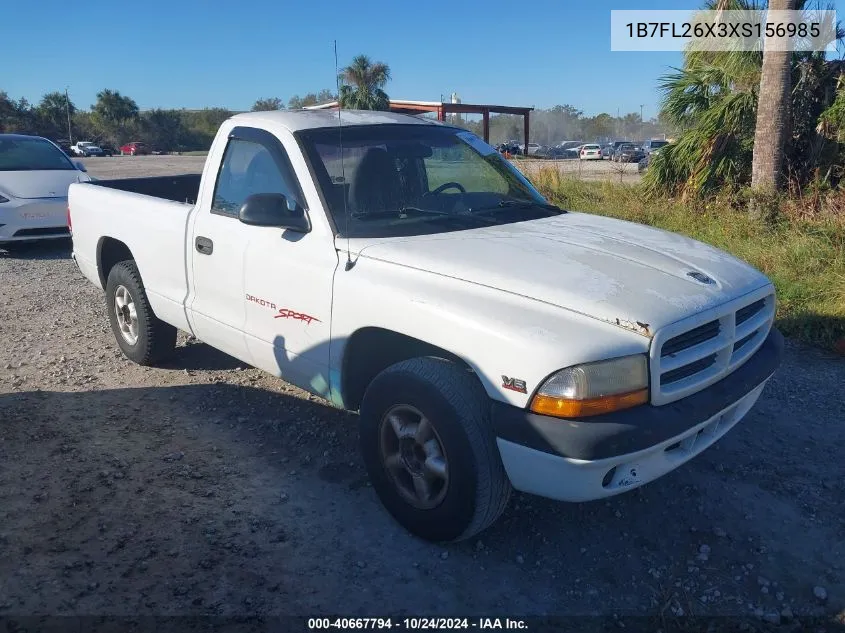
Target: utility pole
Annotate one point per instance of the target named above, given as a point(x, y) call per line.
point(67, 108)
point(641, 120)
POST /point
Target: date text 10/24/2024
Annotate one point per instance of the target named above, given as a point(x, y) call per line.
point(416, 624)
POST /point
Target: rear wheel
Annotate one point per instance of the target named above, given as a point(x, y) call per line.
point(141, 336)
point(430, 450)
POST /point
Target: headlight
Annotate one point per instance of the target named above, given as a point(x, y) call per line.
point(594, 388)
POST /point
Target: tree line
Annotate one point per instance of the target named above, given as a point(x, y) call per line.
point(567, 123)
point(114, 119)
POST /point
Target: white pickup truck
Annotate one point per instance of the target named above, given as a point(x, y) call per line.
point(86, 148)
point(402, 269)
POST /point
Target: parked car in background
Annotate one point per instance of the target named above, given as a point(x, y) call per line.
point(533, 148)
point(557, 152)
point(86, 148)
point(34, 178)
point(135, 148)
point(628, 153)
point(466, 328)
point(546, 151)
point(508, 147)
point(653, 145)
point(108, 149)
point(570, 149)
point(610, 149)
point(65, 146)
point(590, 151)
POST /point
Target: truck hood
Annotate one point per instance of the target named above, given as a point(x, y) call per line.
point(626, 274)
point(50, 183)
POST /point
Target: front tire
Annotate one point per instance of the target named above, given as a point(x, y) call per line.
point(430, 450)
point(142, 337)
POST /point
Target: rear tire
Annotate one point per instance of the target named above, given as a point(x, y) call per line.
point(142, 337)
point(470, 488)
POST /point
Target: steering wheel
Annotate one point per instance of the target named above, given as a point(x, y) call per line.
point(445, 186)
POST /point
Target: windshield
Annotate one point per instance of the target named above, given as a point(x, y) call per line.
point(31, 154)
point(400, 180)
point(658, 143)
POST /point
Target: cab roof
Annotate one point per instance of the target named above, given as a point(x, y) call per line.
point(295, 120)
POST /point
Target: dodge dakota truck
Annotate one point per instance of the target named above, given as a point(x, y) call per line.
point(402, 269)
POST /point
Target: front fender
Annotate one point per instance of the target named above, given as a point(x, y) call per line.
point(496, 333)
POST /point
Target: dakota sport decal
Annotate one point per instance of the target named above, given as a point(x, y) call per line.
point(285, 313)
point(262, 302)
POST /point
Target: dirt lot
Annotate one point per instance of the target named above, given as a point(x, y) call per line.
point(585, 169)
point(131, 166)
point(137, 166)
point(207, 487)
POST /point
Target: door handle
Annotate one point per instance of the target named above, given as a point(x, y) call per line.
point(204, 245)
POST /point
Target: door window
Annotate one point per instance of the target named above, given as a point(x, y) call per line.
point(249, 168)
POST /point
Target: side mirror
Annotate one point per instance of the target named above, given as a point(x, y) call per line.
point(273, 209)
point(80, 165)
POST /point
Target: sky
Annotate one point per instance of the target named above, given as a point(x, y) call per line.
point(194, 54)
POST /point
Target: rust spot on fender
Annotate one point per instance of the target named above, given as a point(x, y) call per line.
point(635, 326)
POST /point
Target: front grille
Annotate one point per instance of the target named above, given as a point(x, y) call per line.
point(744, 340)
point(749, 311)
point(50, 230)
point(690, 359)
point(687, 370)
point(693, 337)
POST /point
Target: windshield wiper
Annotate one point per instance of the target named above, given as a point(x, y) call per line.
point(403, 212)
point(517, 204)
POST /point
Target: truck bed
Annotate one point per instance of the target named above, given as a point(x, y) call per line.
point(148, 215)
point(183, 188)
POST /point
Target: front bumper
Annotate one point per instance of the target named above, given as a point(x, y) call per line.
point(24, 219)
point(591, 458)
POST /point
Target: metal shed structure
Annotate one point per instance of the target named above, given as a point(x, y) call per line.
point(442, 108)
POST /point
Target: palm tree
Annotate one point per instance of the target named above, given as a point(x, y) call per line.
point(772, 114)
point(363, 83)
point(713, 100)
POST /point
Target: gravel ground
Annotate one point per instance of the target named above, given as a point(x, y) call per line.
point(208, 487)
point(137, 166)
point(132, 166)
point(585, 169)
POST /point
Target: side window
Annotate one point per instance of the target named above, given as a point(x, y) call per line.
point(248, 168)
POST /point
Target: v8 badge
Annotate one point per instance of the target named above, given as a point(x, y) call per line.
point(514, 384)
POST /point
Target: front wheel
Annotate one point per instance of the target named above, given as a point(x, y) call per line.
point(142, 337)
point(430, 450)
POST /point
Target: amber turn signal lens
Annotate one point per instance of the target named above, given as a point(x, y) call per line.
point(566, 408)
